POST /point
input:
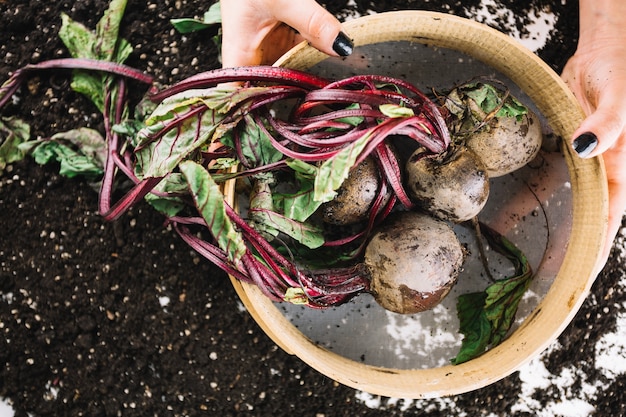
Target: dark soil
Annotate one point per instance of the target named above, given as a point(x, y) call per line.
point(83, 329)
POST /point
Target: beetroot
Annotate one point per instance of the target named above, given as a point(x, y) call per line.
point(413, 260)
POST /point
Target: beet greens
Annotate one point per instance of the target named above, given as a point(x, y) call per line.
point(288, 138)
point(206, 124)
point(276, 125)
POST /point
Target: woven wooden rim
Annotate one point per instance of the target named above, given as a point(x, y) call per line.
point(590, 213)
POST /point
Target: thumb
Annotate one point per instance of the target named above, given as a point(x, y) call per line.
point(316, 25)
point(602, 128)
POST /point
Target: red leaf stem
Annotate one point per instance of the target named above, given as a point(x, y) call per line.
point(307, 121)
point(18, 77)
point(132, 197)
point(391, 171)
point(308, 157)
point(266, 74)
point(211, 252)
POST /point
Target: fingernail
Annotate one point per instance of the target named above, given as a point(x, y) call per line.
point(343, 45)
point(585, 144)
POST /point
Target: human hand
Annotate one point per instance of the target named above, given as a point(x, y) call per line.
point(258, 32)
point(597, 76)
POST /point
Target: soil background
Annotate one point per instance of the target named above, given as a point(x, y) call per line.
point(84, 331)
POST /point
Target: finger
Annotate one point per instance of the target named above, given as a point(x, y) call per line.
point(243, 31)
point(601, 130)
point(605, 124)
point(616, 180)
point(316, 25)
point(277, 41)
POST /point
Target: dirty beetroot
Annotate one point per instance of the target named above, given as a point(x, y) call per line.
point(122, 318)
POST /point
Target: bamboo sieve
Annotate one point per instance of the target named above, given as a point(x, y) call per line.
point(588, 225)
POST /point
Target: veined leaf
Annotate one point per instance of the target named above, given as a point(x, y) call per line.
point(296, 296)
point(102, 44)
point(13, 132)
point(335, 170)
point(300, 205)
point(210, 18)
point(107, 32)
point(394, 110)
point(160, 157)
point(78, 39)
point(305, 233)
point(72, 162)
point(185, 122)
point(474, 325)
point(504, 295)
point(209, 200)
point(267, 217)
point(80, 42)
point(256, 147)
point(487, 316)
point(90, 142)
point(220, 99)
point(489, 98)
point(172, 187)
point(79, 151)
point(304, 169)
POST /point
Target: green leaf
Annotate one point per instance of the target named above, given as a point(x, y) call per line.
point(13, 132)
point(107, 32)
point(157, 158)
point(224, 164)
point(335, 170)
point(79, 151)
point(307, 234)
point(91, 86)
point(474, 325)
point(255, 145)
point(394, 110)
point(188, 25)
point(503, 296)
point(352, 120)
point(296, 296)
point(179, 134)
point(299, 205)
point(128, 127)
point(489, 98)
point(267, 219)
point(72, 162)
point(486, 317)
point(168, 199)
point(123, 51)
point(89, 141)
point(302, 168)
point(214, 14)
point(102, 44)
point(212, 17)
point(78, 39)
point(209, 200)
point(260, 203)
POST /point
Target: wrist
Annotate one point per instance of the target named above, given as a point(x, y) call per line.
point(600, 21)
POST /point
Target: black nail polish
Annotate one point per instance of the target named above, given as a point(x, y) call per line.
point(343, 45)
point(585, 144)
